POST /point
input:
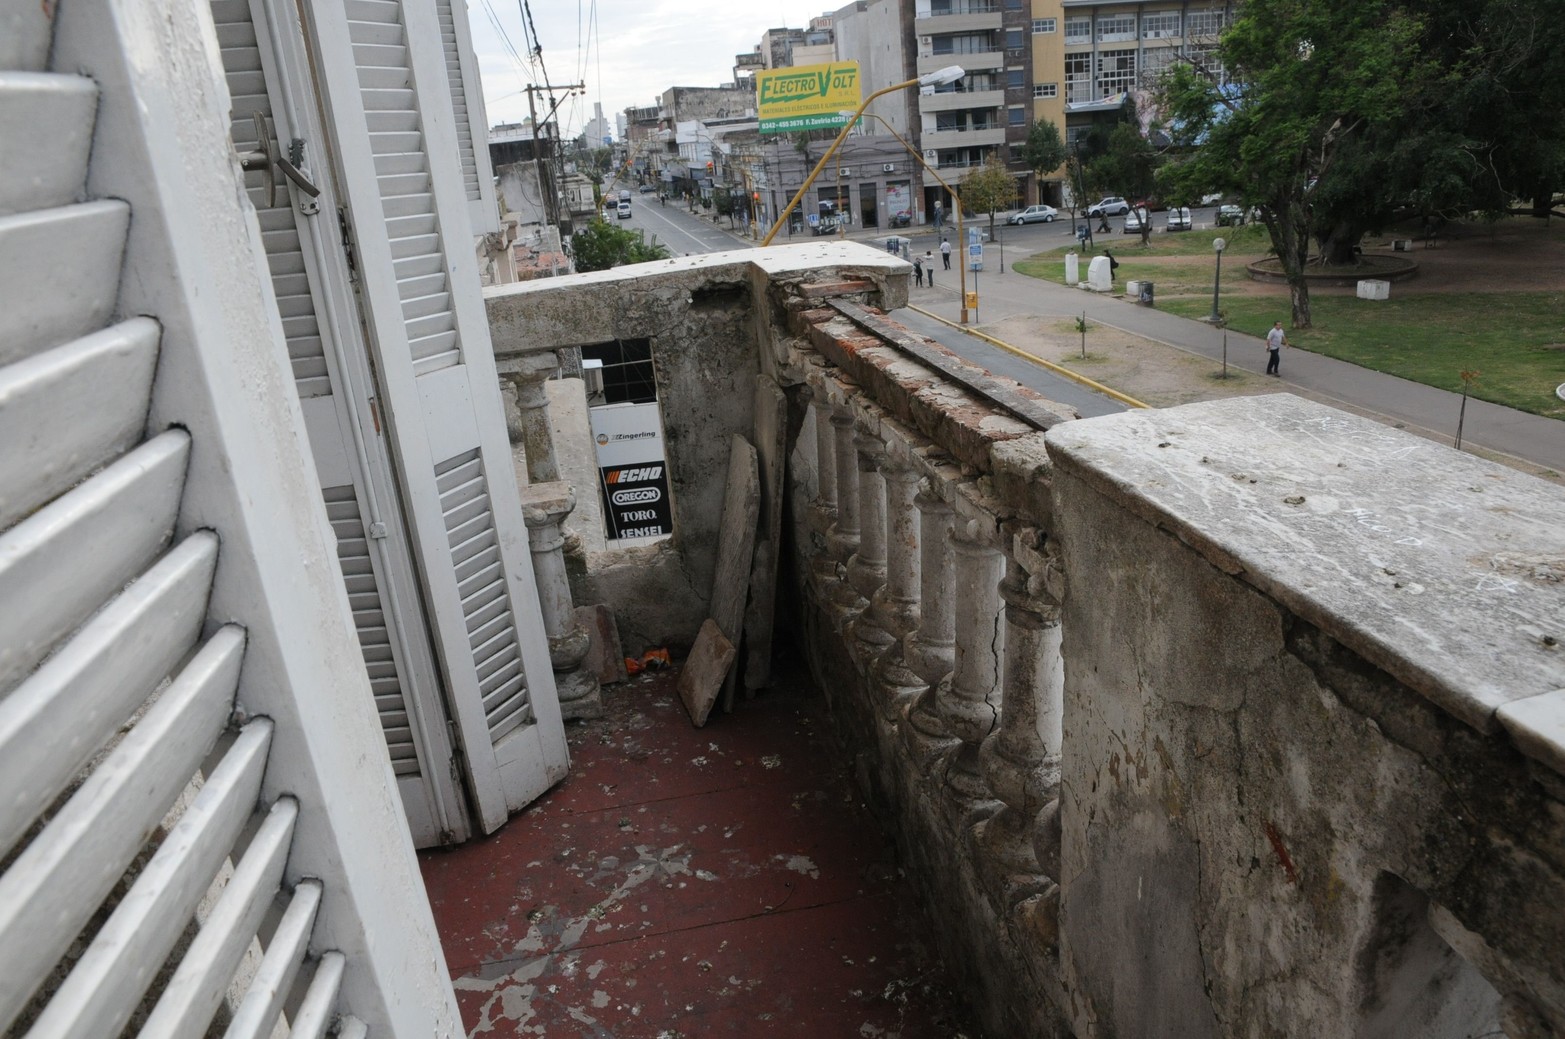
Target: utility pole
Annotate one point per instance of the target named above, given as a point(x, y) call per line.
point(551, 197)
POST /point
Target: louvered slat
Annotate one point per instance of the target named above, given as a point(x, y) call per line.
point(66, 560)
point(127, 951)
point(207, 968)
point(263, 1002)
point(80, 246)
point(51, 169)
point(315, 1012)
point(64, 873)
point(445, 11)
point(486, 604)
point(67, 411)
point(364, 594)
point(280, 234)
point(62, 713)
point(397, 142)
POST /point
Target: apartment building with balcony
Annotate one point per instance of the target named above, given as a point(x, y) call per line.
point(1113, 52)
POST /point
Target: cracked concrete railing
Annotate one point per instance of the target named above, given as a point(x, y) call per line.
point(931, 579)
point(1290, 750)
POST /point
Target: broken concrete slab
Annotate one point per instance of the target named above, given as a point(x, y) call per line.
point(771, 419)
point(701, 679)
point(605, 658)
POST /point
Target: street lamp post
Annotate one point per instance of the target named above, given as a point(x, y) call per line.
point(956, 200)
point(1217, 281)
point(949, 74)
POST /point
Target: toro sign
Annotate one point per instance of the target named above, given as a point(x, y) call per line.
point(806, 98)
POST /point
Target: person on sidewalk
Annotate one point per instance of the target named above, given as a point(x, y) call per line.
point(929, 266)
point(1113, 265)
point(945, 252)
point(1275, 341)
point(918, 271)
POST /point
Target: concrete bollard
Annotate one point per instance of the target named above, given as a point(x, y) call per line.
point(1072, 269)
point(1374, 288)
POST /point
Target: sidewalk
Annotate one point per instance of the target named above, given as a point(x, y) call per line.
point(1420, 409)
point(1488, 428)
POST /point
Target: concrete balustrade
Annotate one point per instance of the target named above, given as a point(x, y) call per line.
point(524, 375)
point(867, 569)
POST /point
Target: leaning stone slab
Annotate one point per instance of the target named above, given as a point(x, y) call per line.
point(701, 679)
point(604, 656)
point(736, 544)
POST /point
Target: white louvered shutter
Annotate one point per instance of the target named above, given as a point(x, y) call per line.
point(384, 80)
point(467, 104)
point(260, 43)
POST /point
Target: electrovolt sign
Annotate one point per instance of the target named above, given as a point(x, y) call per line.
point(632, 472)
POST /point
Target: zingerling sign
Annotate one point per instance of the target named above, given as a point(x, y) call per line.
point(810, 97)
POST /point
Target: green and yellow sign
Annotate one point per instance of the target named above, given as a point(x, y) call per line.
point(809, 97)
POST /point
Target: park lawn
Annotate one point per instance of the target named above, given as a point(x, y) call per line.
point(1512, 339)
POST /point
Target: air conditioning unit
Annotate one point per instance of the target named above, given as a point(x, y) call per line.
point(925, 41)
point(847, 173)
point(888, 167)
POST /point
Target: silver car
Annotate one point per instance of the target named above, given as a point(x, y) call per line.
point(1035, 215)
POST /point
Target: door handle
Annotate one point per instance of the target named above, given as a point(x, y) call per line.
point(268, 160)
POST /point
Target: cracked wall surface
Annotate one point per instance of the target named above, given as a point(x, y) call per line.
point(1266, 832)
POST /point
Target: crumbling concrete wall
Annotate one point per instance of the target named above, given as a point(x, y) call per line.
point(1312, 730)
point(711, 322)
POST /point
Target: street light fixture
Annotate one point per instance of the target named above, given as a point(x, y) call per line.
point(943, 77)
point(956, 200)
point(1219, 245)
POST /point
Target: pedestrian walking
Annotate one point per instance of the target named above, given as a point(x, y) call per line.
point(1113, 265)
point(918, 271)
point(1275, 341)
point(929, 266)
point(945, 252)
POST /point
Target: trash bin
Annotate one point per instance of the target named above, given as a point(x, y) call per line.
point(1145, 296)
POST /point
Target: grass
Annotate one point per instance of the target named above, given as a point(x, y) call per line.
point(1516, 340)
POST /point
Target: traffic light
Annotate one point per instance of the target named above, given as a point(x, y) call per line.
point(709, 165)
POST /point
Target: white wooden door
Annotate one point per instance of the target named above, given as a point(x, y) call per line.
point(262, 51)
point(386, 89)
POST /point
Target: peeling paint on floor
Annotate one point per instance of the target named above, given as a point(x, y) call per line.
point(649, 896)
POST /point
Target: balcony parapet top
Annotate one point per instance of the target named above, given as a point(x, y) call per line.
point(1380, 538)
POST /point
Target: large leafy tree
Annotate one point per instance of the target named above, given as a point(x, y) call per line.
point(988, 189)
point(1044, 151)
point(1125, 166)
point(601, 245)
point(1309, 79)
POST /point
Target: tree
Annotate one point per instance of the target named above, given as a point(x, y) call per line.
point(1044, 151)
point(1308, 79)
point(989, 188)
point(601, 245)
point(723, 200)
point(1126, 167)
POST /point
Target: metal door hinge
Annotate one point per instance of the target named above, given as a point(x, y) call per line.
point(347, 241)
point(377, 530)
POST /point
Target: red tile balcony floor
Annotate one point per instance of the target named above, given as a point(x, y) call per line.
point(685, 883)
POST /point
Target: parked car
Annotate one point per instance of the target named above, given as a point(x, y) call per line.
point(623, 209)
point(1179, 219)
point(1151, 204)
point(624, 194)
point(1133, 221)
point(645, 188)
point(1230, 216)
point(1035, 215)
point(1110, 206)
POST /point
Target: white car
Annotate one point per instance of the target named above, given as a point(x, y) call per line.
point(1179, 219)
point(624, 210)
point(1133, 221)
point(1113, 205)
point(1035, 215)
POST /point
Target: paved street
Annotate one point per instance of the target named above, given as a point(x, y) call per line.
point(1004, 294)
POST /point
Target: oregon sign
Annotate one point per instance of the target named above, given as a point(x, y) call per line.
point(806, 98)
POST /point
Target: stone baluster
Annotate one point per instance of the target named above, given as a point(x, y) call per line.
point(897, 607)
point(526, 374)
point(843, 539)
point(823, 509)
point(1021, 759)
point(968, 699)
point(930, 651)
point(867, 569)
point(544, 507)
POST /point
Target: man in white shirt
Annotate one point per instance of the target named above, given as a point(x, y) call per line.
point(1275, 341)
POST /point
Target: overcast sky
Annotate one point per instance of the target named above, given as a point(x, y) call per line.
point(635, 50)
